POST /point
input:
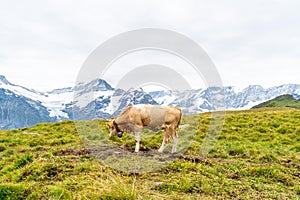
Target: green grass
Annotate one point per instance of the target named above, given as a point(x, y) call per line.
point(285, 100)
point(257, 156)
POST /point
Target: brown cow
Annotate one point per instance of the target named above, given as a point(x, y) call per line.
point(134, 118)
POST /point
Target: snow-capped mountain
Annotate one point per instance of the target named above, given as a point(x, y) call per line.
point(21, 107)
point(20, 111)
point(106, 104)
point(195, 101)
point(53, 101)
point(95, 99)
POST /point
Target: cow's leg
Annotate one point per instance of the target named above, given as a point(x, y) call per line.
point(175, 141)
point(137, 141)
point(165, 141)
point(163, 145)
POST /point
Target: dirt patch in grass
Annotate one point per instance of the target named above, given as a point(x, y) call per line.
point(67, 152)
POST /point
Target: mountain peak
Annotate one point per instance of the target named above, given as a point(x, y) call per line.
point(254, 87)
point(135, 90)
point(99, 84)
point(93, 86)
point(4, 80)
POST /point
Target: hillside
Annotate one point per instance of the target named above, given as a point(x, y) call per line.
point(281, 101)
point(257, 156)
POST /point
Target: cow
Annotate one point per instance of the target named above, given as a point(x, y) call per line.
point(154, 117)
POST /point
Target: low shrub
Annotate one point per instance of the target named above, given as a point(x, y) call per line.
point(19, 163)
point(13, 191)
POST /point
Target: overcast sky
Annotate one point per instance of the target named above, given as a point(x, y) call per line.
point(43, 44)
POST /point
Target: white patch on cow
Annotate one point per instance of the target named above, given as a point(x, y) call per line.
point(162, 147)
point(141, 107)
point(137, 141)
point(137, 147)
point(175, 141)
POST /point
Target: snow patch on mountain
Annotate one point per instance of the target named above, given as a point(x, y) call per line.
point(98, 99)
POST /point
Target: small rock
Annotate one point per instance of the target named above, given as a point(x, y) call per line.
point(30, 133)
point(156, 184)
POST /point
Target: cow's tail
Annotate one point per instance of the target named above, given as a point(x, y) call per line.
point(179, 117)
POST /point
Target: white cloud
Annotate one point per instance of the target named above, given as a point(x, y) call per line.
point(44, 43)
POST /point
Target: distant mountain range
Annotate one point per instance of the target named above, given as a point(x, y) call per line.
point(22, 107)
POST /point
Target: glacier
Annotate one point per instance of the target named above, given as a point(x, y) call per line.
point(98, 99)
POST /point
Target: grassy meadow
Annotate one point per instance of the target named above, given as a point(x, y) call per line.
point(256, 156)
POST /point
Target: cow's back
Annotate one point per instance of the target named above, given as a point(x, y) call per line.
point(153, 117)
point(157, 117)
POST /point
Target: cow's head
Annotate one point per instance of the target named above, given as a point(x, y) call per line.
point(114, 130)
